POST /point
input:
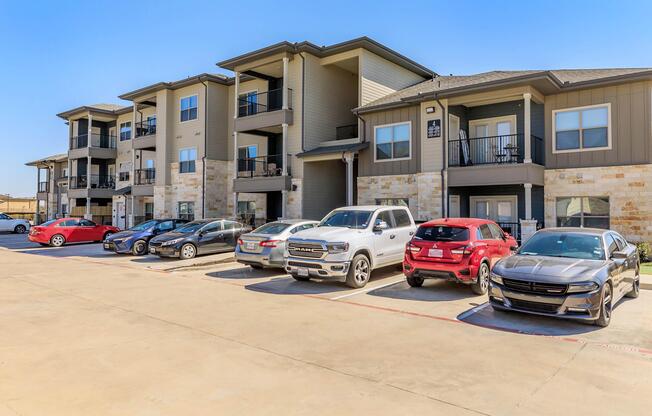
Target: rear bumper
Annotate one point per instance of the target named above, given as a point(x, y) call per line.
point(462, 272)
point(574, 306)
point(266, 258)
point(38, 238)
point(330, 270)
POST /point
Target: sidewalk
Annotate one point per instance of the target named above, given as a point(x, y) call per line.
point(646, 281)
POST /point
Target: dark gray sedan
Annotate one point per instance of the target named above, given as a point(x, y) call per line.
point(578, 273)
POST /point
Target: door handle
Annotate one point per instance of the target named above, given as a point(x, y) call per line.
point(392, 236)
point(411, 233)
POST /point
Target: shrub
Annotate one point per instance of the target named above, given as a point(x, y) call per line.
point(643, 251)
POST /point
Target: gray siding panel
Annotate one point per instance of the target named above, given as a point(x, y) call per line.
point(367, 166)
point(324, 188)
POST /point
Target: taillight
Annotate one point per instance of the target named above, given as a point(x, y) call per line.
point(240, 242)
point(269, 243)
point(467, 250)
point(412, 248)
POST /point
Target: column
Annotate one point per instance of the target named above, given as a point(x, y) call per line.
point(284, 202)
point(286, 98)
point(528, 200)
point(37, 219)
point(348, 158)
point(236, 94)
point(235, 205)
point(527, 130)
point(89, 139)
point(284, 158)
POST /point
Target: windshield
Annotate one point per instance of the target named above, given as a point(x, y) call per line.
point(442, 233)
point(190, 227)
point(144, 225)
point(46, 223)
point(350, 219)
point(271, 228)
point(560, 244)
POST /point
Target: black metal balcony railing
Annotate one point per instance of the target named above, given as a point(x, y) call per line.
point(493, 150)
point(263, 102)
point(145, 176)
point(43, 186)
point(96, 182)
point(145, 128)
point(346, 132)
point(261, 166)
point(104, 141)
point(123, 176)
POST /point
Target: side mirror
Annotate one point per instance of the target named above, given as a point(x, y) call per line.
point(513, 248)
point(380, 225)
point(618, 255)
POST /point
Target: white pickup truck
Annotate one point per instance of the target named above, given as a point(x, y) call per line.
point(349, 243)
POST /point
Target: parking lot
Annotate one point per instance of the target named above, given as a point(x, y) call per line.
point(83, 331)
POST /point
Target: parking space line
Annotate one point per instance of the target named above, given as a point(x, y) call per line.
point(359, 292)
point(472, 311)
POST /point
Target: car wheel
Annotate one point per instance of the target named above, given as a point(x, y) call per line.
point(606, 306)
point(139, 248)
point(107, 234)
point(359, 272)
point(300, 278)
point(20, 229)
point(637, 286)
point(57, 240)
point(414, 281)
point(482, 282)
point(187, 252)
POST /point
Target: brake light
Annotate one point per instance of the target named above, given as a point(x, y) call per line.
point(240, 242)
point(269, 243)
point(465, 251)
point(412, 248)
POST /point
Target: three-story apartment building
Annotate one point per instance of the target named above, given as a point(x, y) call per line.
point(52, 187)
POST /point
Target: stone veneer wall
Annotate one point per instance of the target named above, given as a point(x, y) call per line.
point(629, 189)
point(423, 191)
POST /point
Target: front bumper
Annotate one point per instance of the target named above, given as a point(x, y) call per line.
point(164, 251)
point(571, 306)
point(121, 247)
point(330, 270)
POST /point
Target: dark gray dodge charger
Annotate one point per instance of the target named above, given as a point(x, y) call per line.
point(578, 273)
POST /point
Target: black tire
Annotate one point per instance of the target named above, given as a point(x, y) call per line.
point(44, 244)
point(57, 240)
point(359, 272)
point(481, 284)
point(20, 229)
point(606, 306)
point(256, 266)
point(106, 235)
point(414, 281)
point(188, 251)
point(300, 278)
point(139, 248)
point(636, 288)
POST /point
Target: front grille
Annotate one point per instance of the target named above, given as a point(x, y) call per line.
point(535, 287)
point(534, 306)
point(306, 265)
point(307, 250)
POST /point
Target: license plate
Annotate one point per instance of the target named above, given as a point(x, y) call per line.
point(435, 252)
point(302, 271)
point(250, 246)
point(152, 250)
point(107, 246)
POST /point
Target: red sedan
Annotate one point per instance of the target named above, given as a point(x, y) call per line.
point(458, 249)
point(69, 230)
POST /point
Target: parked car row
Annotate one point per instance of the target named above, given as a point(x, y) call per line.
point(573, 273)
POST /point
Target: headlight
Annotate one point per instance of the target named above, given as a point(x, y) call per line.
point(172, 242)
point(334, 248)
point(495, 278)
point(582, 287)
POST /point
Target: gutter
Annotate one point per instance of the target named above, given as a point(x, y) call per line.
point(444, 150)
point(203, 176)
point(303, 101)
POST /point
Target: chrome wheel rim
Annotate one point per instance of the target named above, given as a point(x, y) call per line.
point(606, 303)
point(57, 240)
point(20, 229)
point(361, 271)
point(484, 277)
point(188, 251)
point(140, 247)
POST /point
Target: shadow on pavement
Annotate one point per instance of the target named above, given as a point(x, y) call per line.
point(289, 286)
point(431, 291)
point(92, 250)
point(246, 272)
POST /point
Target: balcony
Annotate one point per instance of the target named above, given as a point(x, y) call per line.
point(144, 180)
point(346, 132)
point(101, 186)
point(43, 187)
point(495, 160)
point(123, 176)
point(261, 174)
point(102, 146)
point(263, 110)
point(145, 135)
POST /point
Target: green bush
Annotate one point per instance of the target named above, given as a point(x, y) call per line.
point(643, 251)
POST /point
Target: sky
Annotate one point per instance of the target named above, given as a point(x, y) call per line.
point(58, 55)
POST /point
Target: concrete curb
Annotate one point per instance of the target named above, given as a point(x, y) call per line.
point(646, 281)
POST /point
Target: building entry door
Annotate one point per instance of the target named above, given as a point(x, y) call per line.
point(121, 215)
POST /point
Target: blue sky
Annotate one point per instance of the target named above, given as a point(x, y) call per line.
point(58, 55)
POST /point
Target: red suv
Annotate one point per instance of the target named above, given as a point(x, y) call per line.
point(458, 249)
point(56, 233)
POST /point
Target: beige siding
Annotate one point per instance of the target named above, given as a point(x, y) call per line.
point(630, 126)
point(218, 133)
point(431, 152)
point(379, 77)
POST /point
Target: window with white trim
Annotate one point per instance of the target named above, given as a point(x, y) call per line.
point(584, 128)
point(392, 142)
point(187, 159)
point(125, 131)
point(188, 108)
point(186, 210)
point(583, 211)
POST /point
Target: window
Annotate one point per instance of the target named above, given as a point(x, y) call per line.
point(302, 227)
point(585, 128)
point(187, 160)
point(402, 218)
point(188, 107)
point(612, 246)
point(583, 211)
point(485, 233)
point(247, 103)
point(68, 223)
point(64, 172)
point(622, 244)
point(64, 209)
point(3, 217)
point(212, 227)
point(230, 225)
point(87, 223)
point(392, 142)
point(442, 233)
point(496, 231)
point(186, 210)
point(385, 216)
point(149, 210)
point(165, 226)
point(246, 155)
point(401, 202)
point(125, 131)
